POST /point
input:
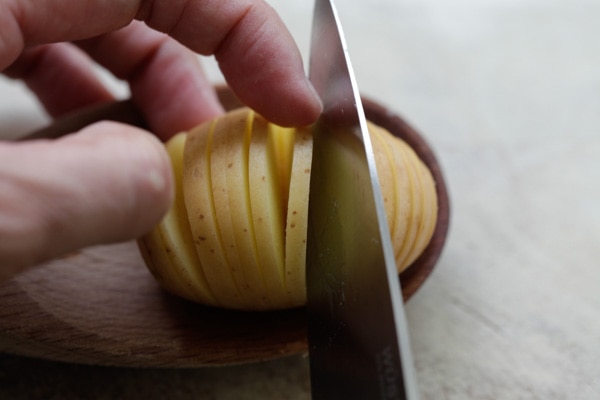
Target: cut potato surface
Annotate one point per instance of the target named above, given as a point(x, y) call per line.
point(297, 218)
point(235, 236)
point(171, 242)
point(239, 211)
point(199, 200)
point(386, 172)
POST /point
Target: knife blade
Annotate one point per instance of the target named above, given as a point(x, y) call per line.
point(357, 334)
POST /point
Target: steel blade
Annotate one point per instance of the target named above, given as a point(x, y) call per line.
point(358, 339)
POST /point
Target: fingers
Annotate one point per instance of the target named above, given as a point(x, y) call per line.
point(108, 183)
point(61, 76)
point(25, 23)
point(256, 53)
point(166, 79)
point(264, 68)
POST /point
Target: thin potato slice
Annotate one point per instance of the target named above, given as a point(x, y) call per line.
point(416, 206)
point(236, 136)
point(431, 206)
point(297, 218)
point(267, 209)
point(404, 207)
point(200, 203)
point(386, 172)
point(226, 142)
point(170, 241)
point(153, 251)
point(283, 142)
point(176, 234)
point(427, 214)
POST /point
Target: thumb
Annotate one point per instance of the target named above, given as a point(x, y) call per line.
point(108, 183)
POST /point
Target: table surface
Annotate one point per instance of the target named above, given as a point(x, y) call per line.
point(508, 94)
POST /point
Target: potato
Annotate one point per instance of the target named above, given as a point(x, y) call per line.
point(235, 236)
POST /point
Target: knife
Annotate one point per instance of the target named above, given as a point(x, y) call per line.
point(358, 339)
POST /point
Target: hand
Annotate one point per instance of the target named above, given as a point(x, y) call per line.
point(112, 182)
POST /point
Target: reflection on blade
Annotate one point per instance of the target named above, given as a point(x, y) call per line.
point(358, 340)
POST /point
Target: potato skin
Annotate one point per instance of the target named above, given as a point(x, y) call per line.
point(236, 234)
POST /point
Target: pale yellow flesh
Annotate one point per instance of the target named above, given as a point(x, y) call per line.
point(199, 200)
point(226, 169)
point(237, 138)
point(297, 218)
point(386, 172)
point(401, 232)
point(426, 210)
point(171, 241)
point(236, 235)
point(267, 209)
point(154, 252)
point(283, 140)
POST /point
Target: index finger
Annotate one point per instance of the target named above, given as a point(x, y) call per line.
point(256, 53)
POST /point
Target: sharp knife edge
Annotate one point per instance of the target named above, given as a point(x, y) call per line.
point(325, 10)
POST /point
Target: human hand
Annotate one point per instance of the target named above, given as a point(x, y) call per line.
point(112, 182)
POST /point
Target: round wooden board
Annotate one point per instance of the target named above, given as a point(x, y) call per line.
point(101, 306)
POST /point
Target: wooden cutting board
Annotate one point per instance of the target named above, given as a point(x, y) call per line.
point(101, 306)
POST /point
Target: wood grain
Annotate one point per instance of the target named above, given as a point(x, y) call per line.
point(100, 306)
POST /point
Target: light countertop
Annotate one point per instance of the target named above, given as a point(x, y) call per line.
point(507, 92)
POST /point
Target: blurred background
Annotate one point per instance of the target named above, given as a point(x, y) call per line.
point(507, 92)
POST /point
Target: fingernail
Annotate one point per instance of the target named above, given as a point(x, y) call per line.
point(157, 180)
